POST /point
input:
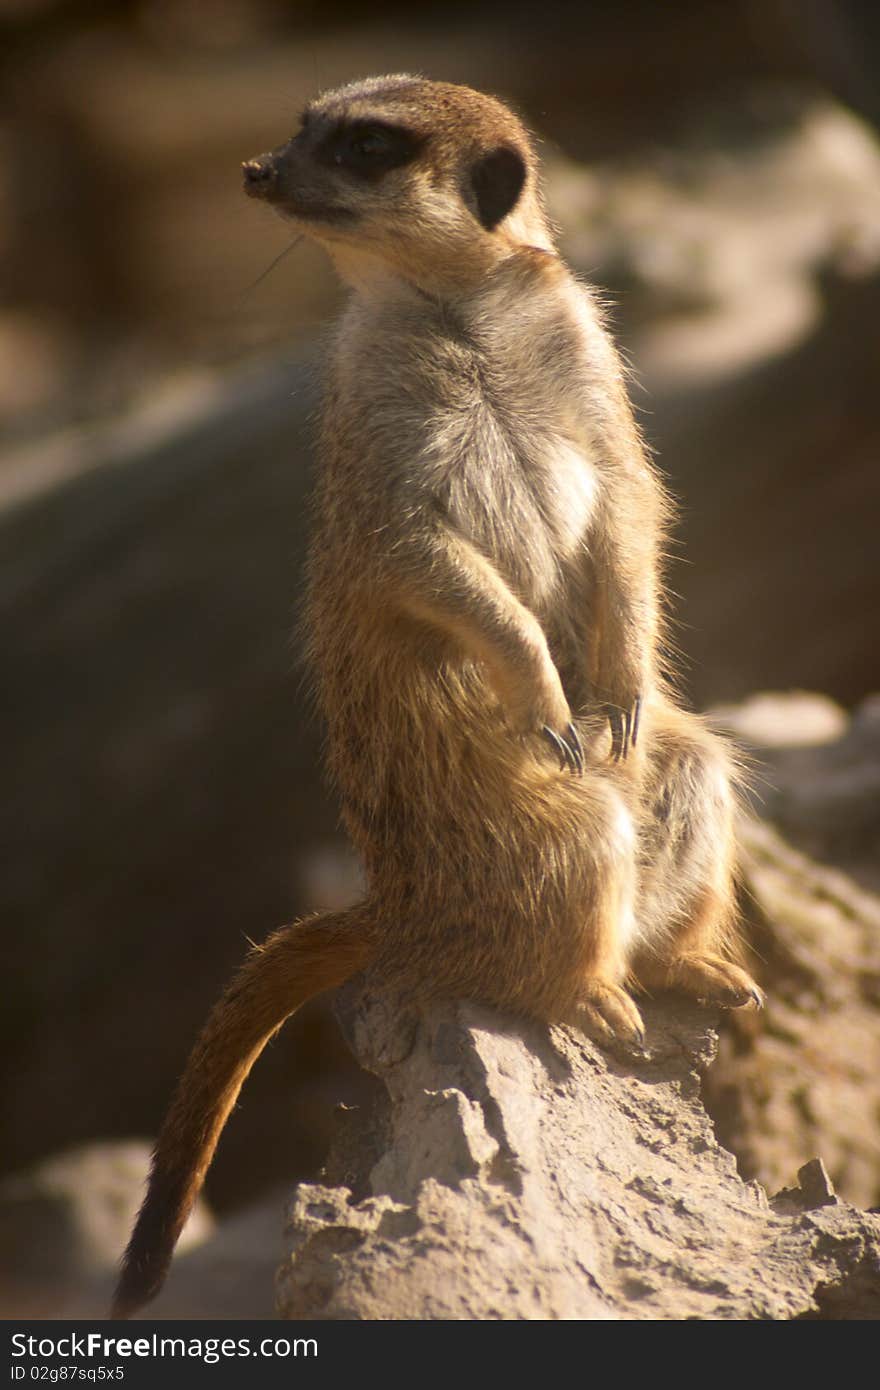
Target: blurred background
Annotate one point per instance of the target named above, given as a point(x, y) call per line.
point(714, 166)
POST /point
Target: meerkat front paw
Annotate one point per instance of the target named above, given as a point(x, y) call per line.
point(550, 718)
point(714, 980)
point(608, 1013)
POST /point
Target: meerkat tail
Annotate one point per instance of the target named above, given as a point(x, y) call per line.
point(294, 964)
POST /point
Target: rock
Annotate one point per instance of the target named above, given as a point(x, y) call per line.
point(520, 1172)
point(815, 773)
point(230, 1275)
point(742, 259)
point(717, 239)
point(516, 1171)
point(776, 468)
point(791, 719)
point(803, 1077)
point(35, 362)
point(166, 787)
point(65, 1222)
point(814, 1189)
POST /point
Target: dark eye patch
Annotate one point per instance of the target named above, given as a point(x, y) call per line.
point(368, 149)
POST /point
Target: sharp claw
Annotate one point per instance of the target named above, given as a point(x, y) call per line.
point(624, 728)
point(577, 748)
point(556, 742)
point(569, 750)
point(616, 723)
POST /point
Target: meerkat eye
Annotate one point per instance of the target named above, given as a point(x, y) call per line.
point(368, 150)
point(370, 144)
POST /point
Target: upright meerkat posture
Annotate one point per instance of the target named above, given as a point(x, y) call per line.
point(541, 824)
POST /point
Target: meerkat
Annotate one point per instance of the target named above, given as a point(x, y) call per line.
point(543, 827)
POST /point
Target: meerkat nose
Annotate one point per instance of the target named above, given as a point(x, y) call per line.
point(260, 176)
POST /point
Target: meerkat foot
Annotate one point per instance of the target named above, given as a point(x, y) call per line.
point(714, 980)
point(608, 1013)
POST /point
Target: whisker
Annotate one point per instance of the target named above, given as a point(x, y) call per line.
point(270, 267)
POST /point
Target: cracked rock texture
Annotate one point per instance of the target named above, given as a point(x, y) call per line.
point(804, 1077)
point(514, 1171)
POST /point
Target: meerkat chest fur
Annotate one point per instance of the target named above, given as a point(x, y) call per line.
point(479, 408)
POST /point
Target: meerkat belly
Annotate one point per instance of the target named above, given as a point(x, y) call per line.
point(528, 507)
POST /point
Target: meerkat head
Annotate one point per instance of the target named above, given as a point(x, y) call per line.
point(432, 182)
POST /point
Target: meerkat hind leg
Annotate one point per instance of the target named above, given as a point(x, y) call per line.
point(694, 968)
point(688, 918)
point(605, 1009)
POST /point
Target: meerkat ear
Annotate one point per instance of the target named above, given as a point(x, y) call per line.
point(497, 180)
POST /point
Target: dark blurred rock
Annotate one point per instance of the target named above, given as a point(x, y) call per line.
point(64, 1223)
point(776, 470)
point(229, 1275)
point(37, 359)
point(743, 264)
point(816, 775)
point(164, 796)
point(232, 1274)
point(119, 187)
point(714, 244)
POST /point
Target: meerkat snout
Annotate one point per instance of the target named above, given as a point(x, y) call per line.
point(260, 175)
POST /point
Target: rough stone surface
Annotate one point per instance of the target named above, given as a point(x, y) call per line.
point(802, 1078)
point(522, 1172)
